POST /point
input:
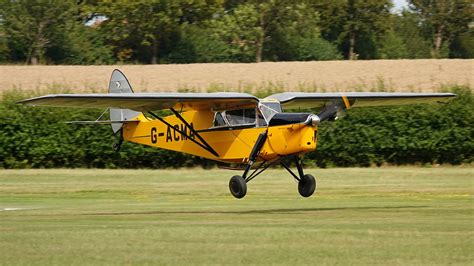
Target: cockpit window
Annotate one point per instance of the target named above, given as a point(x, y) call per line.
point(273, 105)
point(240, 117)
point(259, 117)
point(219, 120)
point(269, 109)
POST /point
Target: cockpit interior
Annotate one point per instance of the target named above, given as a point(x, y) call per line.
point(249, 117)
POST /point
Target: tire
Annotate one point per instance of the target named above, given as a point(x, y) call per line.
point(237, 186)
point(307, 186)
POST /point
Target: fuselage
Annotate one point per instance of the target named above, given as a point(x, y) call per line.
point(232, 142)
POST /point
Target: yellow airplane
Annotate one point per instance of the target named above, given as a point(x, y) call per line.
point(235, 128)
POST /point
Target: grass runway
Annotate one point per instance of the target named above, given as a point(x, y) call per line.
point(359, 216)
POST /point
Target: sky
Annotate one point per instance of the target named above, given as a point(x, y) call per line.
point(398, 4)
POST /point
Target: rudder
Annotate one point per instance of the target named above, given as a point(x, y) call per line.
point(119, 84)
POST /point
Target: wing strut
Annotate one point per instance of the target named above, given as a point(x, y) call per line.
point(203, 145)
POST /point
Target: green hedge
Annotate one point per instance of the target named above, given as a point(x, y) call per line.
point(441, 133)
point(39, 138)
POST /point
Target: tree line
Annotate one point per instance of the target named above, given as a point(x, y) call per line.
point(200, 31)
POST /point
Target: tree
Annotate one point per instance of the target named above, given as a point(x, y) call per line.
point(240, 30)
point(315, 48)
point(4, 51)
point(393, 46)
point(31, 25)
point(49, 31)
point(296, 35)
point(80, 45)
point(275, 30)
point(364, 18)
point(136, 29)
point(443, 19)
point(198, 44)
point(462, 45)
point(146, 30)
point(354, 24)
point(407, 26)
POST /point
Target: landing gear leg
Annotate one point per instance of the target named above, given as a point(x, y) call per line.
point(118, 142)
point(306, 183)
point(238, 184)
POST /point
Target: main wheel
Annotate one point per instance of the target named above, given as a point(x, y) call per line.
point(238, 186)
point(307, 185)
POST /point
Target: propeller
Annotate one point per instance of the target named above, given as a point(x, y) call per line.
point(335, 110)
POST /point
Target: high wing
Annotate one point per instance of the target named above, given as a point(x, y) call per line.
point(306, 100)
point(144, 102)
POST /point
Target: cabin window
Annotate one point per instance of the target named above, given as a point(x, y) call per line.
point(219, 120)
point(240, 117)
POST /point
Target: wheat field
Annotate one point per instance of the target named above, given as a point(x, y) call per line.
point(377, 75)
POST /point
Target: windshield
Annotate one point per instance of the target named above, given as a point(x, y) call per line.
point(240, 117)
point(269, 109)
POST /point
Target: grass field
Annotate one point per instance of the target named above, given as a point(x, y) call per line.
point(425, 75)
point(387, 216)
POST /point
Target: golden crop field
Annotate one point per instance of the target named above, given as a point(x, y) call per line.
point(425, 75)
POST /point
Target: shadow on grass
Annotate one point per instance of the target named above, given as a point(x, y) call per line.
point(263, 211)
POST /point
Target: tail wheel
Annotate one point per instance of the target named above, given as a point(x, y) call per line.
point(237, 186)
point(307, 185)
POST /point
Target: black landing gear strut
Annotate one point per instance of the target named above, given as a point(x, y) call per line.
point(306, 183)
point(238, 184)
point(118, 141)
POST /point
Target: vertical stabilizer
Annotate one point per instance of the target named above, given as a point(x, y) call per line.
point(119, 84)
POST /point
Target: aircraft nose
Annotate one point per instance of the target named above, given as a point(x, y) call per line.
point(314, 120)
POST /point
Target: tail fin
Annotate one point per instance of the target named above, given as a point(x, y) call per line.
point(119, 84)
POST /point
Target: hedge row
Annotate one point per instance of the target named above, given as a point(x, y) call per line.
point(39, 138)
point(417, 134)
